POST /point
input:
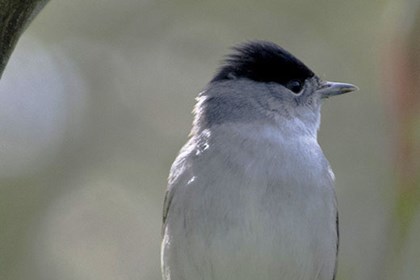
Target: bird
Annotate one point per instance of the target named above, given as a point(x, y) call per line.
point(251, 195)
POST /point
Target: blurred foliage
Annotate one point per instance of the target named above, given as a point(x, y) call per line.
point(401, 83)
point(88, 136)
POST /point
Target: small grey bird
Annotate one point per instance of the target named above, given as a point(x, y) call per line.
point(251, 195)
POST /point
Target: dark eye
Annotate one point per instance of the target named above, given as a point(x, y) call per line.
point(294, 85)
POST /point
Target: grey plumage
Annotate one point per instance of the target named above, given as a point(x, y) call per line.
point(251, 195)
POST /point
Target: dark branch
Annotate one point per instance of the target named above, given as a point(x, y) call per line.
point(15, 16)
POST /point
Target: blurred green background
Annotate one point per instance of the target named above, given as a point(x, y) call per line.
point(96, 102)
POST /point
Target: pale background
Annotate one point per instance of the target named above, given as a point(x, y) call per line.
point(95, 104)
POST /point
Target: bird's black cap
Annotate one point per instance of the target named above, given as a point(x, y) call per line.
point(262, 61)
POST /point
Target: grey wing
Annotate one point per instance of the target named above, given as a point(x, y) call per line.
point(338, 245)
point(176, 179)
point(166, 204)
point(172, 186)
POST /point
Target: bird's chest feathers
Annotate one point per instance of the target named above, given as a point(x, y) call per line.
point(270, 200)
point(271, 153)
point(261, 177)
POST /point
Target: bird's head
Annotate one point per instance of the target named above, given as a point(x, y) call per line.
point(261, 79)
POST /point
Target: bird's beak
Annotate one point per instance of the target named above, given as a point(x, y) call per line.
point(327, 89)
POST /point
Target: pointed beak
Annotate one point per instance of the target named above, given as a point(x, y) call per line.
point(327, 89)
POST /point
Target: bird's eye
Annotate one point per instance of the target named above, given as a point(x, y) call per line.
point(294, 85)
